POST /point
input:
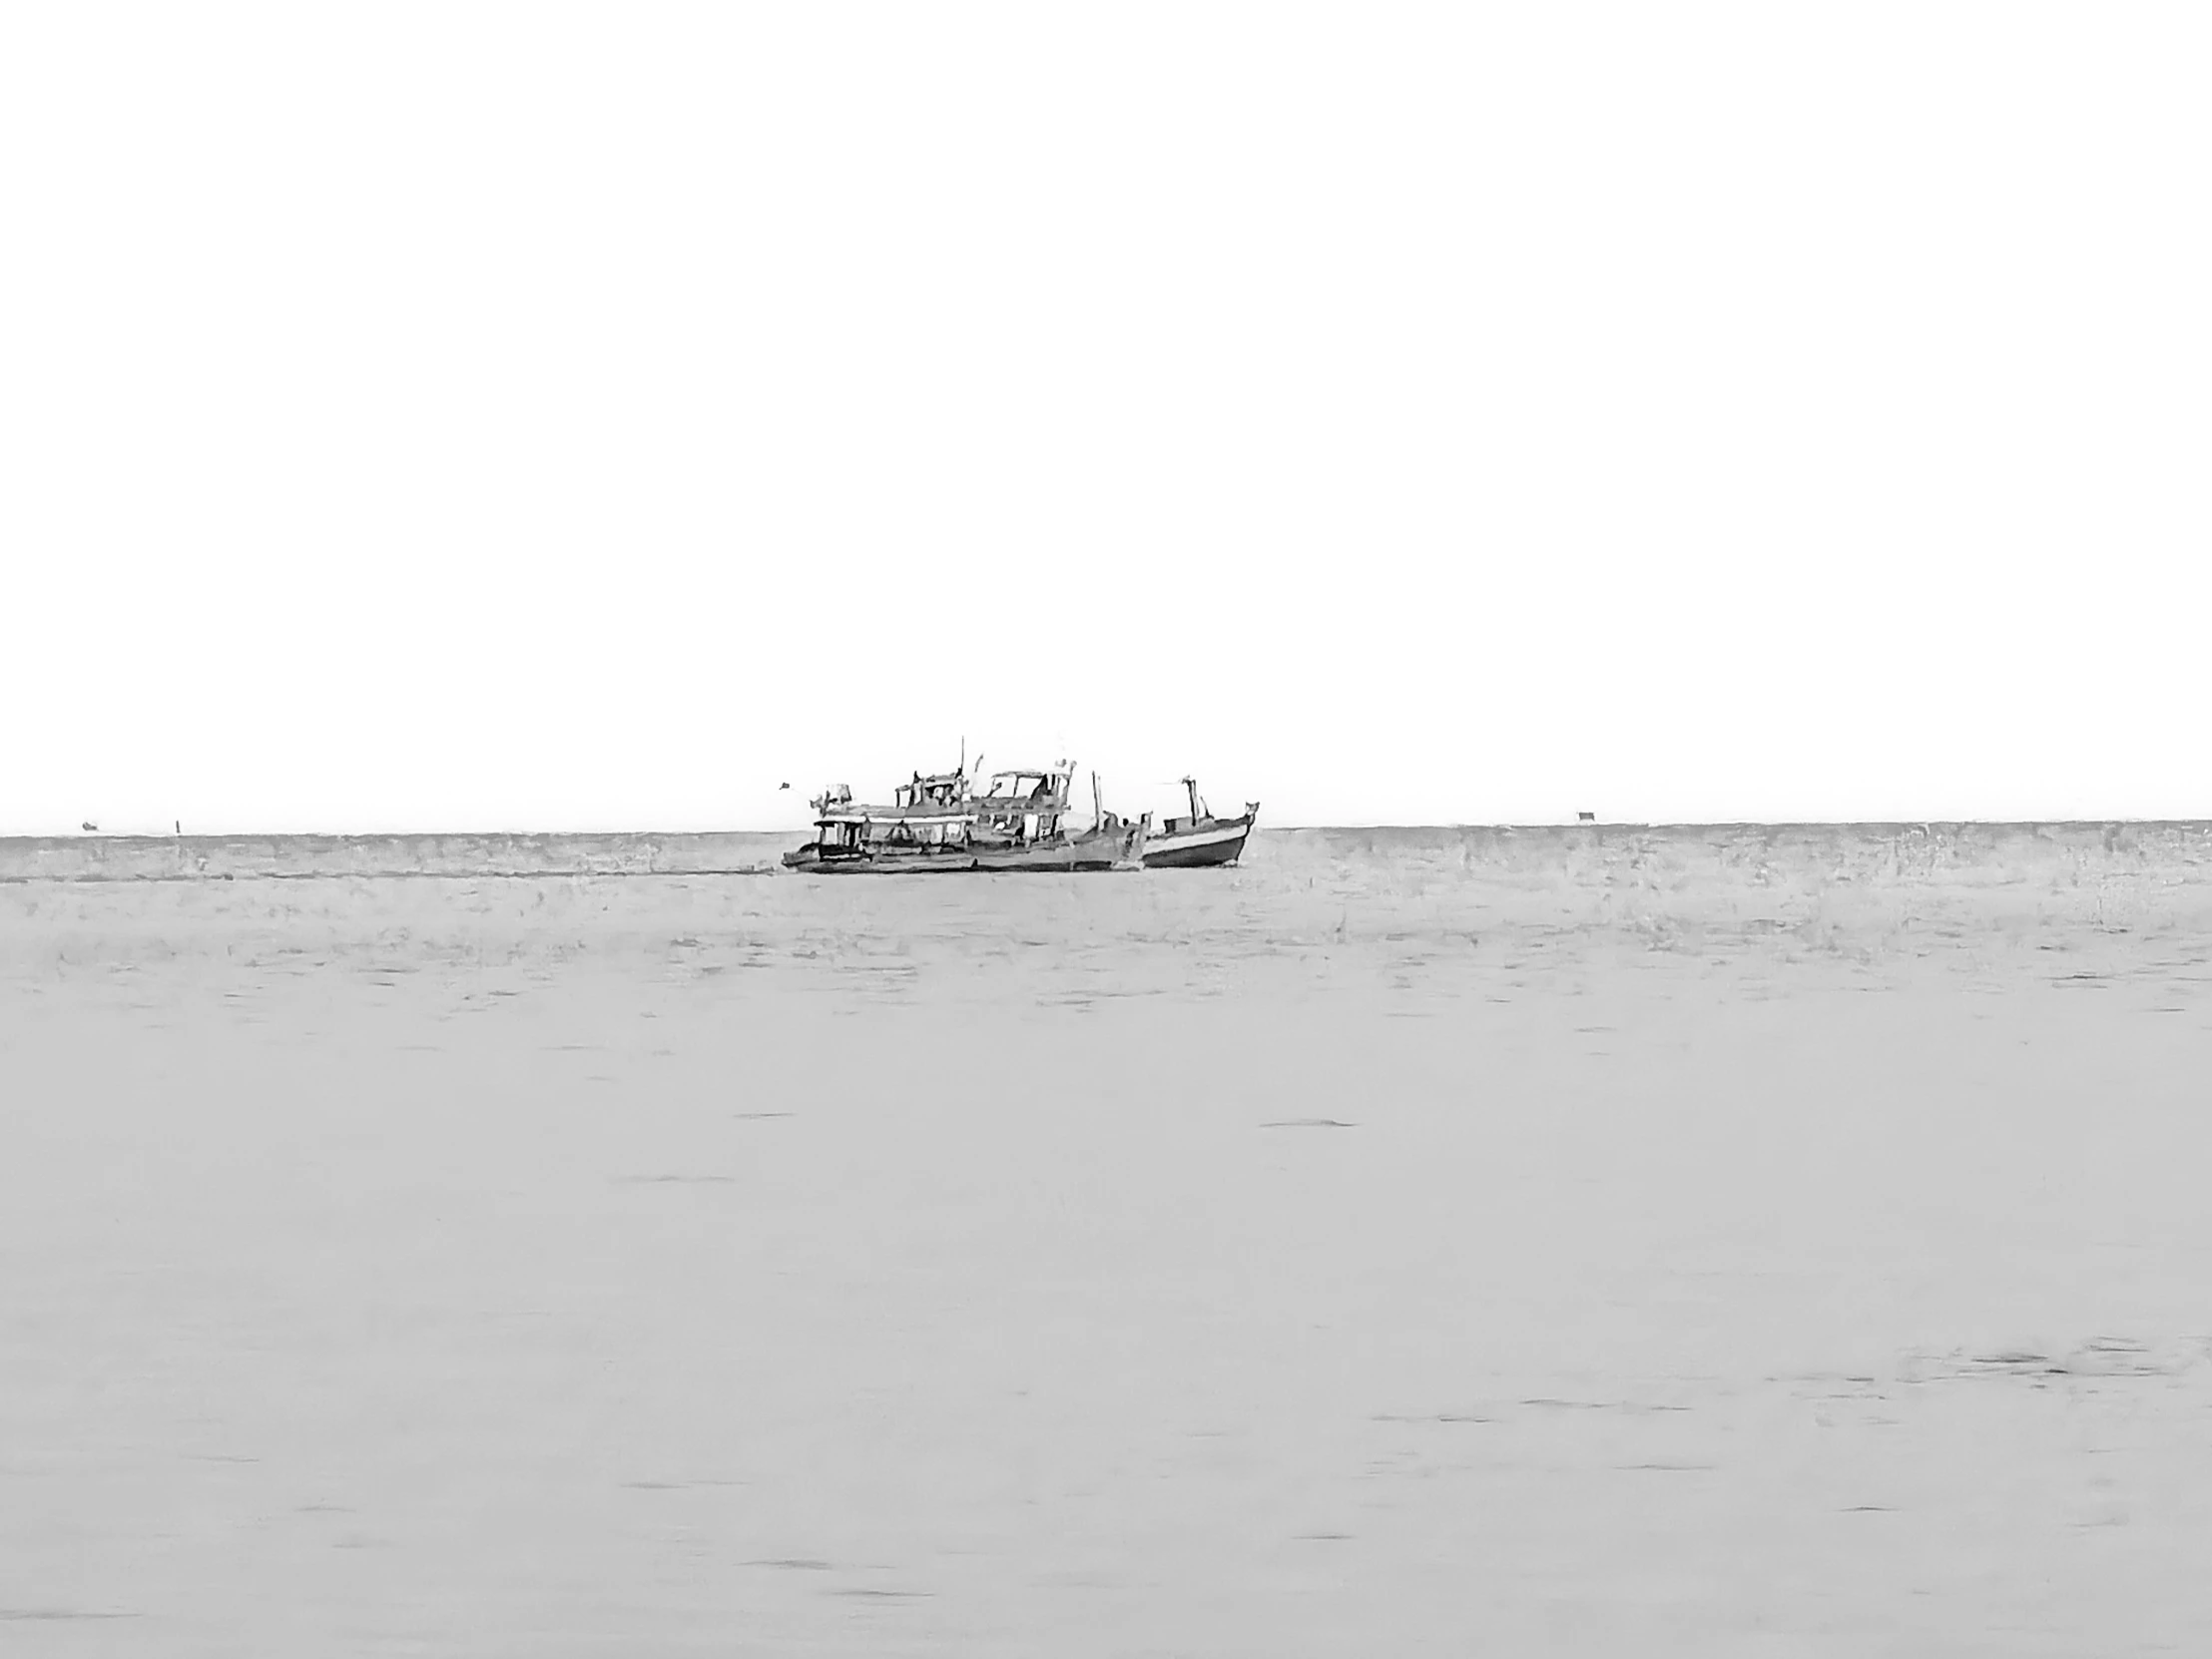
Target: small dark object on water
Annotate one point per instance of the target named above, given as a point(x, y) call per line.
point(91, 828)
point(783, 785)
point(1586, 818)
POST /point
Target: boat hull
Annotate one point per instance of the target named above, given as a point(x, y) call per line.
point(1098, 851)
point(895, 861)
point(1215, 845)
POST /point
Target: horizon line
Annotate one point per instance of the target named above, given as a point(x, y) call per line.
point(1259, 829)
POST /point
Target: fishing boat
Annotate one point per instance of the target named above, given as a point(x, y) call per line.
point(925, 828)
point(941, 824)
point(1200, 838)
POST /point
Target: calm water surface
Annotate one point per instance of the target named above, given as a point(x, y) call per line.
point(1765, 1243)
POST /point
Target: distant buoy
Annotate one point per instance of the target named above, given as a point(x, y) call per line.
point(783, 785)
point(1585, 817)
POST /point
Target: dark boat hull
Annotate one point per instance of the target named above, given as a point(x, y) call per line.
point(1106, 854)
point(812, 862)
point(1093, 852)
point(1217, 843)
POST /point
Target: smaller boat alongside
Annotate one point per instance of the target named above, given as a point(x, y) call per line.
point(1199, 839)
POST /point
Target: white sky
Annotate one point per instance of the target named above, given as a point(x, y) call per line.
point(459, 416)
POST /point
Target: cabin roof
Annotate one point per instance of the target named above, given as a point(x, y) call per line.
point(854, 812)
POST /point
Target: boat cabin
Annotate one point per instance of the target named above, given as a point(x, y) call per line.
point(1022, 784)
point(1024, 803)
point(1199, 816)
point(925, 813)
point(944, 792)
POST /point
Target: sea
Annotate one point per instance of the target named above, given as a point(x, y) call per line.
point(1612, 1239)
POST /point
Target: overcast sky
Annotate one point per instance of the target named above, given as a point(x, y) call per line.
point(547, 416)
